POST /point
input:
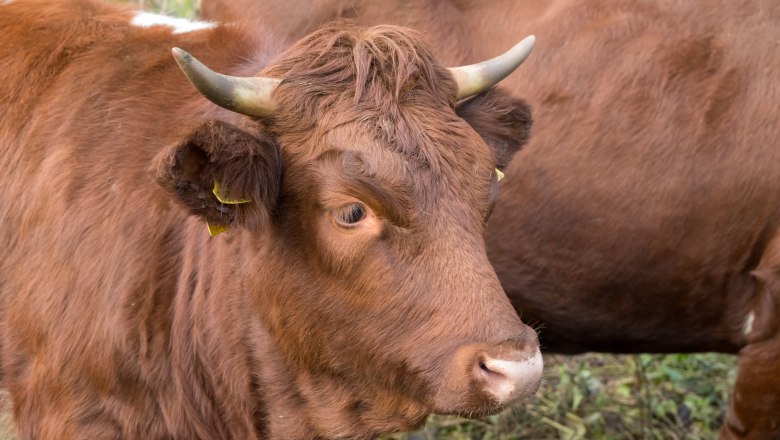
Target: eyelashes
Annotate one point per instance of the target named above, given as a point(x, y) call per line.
point(350, 215)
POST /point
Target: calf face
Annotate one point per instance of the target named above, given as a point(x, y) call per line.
point(367, 197)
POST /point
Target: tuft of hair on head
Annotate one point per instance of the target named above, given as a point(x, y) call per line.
point(379, 62)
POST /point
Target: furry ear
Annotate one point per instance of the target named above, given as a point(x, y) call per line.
point(223, 174)
point(503, 121)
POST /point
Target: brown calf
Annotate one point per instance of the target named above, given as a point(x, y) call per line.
point(352, 293)
point(643, 216)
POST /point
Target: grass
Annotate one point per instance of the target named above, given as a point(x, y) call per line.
point(177, 8)
point(599, 396)
point(592, 396)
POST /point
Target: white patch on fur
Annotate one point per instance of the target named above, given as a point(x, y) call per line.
point(5, 2)
point(747, 327)
point(178, 25)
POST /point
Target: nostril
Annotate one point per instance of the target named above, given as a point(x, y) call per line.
point(507, 377)
point(487, 371)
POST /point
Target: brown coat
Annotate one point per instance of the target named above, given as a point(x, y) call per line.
point(643, 215)
point(352, 294)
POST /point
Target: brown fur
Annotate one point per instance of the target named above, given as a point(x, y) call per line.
point(121, 318)
point(648, 195)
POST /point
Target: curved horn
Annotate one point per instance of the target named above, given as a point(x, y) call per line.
point(476, 78)
point(248, 96)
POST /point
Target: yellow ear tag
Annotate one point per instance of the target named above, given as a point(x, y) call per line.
point(499, 175)
point(218, 229)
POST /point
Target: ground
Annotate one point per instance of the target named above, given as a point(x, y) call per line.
point(599, 396)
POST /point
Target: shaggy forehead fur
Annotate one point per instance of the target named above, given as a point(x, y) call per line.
point(386, 65)
point(386, 80)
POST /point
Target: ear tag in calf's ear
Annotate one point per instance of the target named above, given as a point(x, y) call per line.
point(224, 200)
point(499, 175)
point(215, 229)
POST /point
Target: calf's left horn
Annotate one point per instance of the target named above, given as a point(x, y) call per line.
point(249, 96)
point(475, 78)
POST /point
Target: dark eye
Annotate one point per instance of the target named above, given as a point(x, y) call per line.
point(350, 214)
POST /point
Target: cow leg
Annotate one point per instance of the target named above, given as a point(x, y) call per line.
point(755, 406)
point(754, 412)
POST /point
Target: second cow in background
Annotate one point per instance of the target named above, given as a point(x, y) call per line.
point(643, 214)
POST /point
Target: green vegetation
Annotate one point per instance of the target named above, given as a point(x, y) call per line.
point(591, 396)
point(177, 8)
point(597, 396)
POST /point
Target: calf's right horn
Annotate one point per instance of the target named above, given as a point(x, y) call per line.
point(475, 78)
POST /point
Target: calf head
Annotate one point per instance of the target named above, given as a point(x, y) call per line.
point(368, 196)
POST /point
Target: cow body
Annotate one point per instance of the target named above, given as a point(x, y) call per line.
point(319, 313)
point(643, 215)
